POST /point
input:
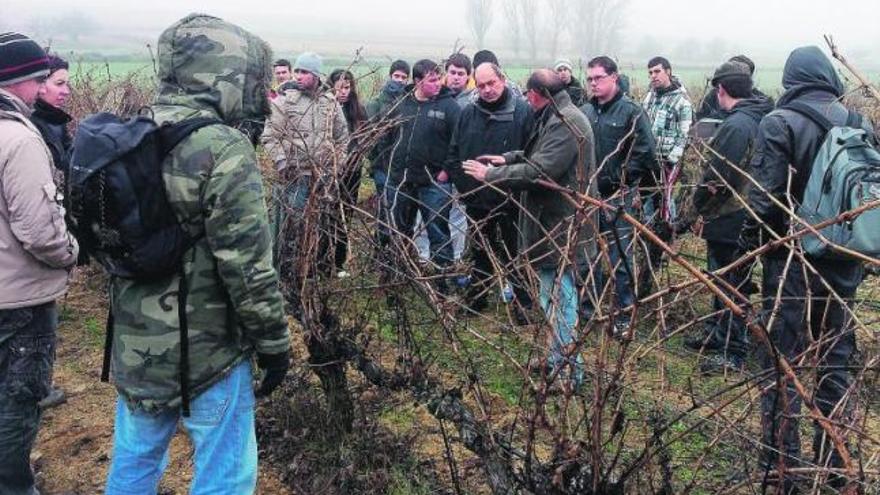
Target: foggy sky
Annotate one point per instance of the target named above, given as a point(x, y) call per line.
point(765, 28)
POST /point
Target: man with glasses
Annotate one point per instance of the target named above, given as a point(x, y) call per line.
point(624, 155)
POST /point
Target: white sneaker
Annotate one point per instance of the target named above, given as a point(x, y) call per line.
point(342, 274)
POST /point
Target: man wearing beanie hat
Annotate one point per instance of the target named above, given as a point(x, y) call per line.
point(718, 199)
point(709, 108)
point(564, 68)
point(305, 135)
point(34, 263)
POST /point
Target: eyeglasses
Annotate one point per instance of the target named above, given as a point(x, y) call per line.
point(597, 78)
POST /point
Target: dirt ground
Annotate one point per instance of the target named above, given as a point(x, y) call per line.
point(74, 447)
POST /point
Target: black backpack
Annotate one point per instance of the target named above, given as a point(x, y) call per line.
point(117, 203)
point(119, 209)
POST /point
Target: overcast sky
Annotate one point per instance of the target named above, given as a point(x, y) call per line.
point(766, 28)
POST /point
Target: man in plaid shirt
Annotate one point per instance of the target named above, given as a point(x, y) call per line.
point(670, 111)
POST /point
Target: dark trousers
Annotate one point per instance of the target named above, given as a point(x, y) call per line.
point(495, 234)
point(827, 322)
point(726, 329)
point(26, 358)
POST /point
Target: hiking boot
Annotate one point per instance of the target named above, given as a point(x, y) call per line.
point(721, 363)
point(55, 398)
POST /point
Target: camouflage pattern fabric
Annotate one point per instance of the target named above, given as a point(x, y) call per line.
point(234, 307)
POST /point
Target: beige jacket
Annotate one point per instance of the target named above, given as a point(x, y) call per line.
point(36, 249)
point(306, 131)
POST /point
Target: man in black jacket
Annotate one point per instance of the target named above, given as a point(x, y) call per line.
point(719, 199)
point(416, 151)
point(624, 155)
point(788, 142)
point(496, 123)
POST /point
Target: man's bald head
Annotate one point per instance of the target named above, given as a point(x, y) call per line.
point(490, 82)
point(546, 82)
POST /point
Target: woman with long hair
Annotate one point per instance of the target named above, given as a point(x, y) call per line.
point(344, 86)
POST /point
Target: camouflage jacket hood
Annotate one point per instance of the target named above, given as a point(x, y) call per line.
point(215, 188)
point(208, 64)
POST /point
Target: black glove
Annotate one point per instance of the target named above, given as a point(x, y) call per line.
point(275, 367)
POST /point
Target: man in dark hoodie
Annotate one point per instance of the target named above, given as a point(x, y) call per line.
point(398, 75)
point(416, 151)
point(497, 123)
point(719, 200)
point(788, 142)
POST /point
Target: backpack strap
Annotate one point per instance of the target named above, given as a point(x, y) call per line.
point(182, 292)
point(173, 134)
point(812, 114)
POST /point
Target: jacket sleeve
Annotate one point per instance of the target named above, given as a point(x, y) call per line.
point(770, 170)
point(453, 115)
point(454, 158)
point(685, 119)
point(237, 232)
point(274, 133)
point(550, 161)
point(35, 217)
point(642, 159)
point(731, 145)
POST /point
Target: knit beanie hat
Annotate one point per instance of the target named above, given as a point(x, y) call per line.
point(731, 70)
point(21, 58)
point(563, 62)
point(309, 62)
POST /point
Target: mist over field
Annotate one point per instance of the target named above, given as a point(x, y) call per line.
point(525, 33)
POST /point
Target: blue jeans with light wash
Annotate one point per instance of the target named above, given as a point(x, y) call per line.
point(559, 300)
point(220, 426)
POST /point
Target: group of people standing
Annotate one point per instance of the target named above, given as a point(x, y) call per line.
point(463, 152)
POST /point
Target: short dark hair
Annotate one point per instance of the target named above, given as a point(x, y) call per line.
point(399, 65)
point(546, 82)
point(459, 60)
point(282, 62)
point(485, 56)
point(744, 60)
point(661, 61)
point(424, 67)
point(605, 62)
point(737, 87)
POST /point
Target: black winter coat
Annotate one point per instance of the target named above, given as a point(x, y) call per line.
point(52, 123)
point(735, 143)
point(481, 131)
point(417, 148)
point(612, 122)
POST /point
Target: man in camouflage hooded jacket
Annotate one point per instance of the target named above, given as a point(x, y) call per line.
point(207, 67)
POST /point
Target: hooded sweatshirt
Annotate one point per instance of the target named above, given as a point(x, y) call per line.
point(416, 149)
point(207, 67)
point(788, 142)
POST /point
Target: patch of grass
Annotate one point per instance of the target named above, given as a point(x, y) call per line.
point(94, 331)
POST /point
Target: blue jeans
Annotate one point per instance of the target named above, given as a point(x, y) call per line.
point(559, 301)
point(221, 427)
point(621, 256)
point(433, 202)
